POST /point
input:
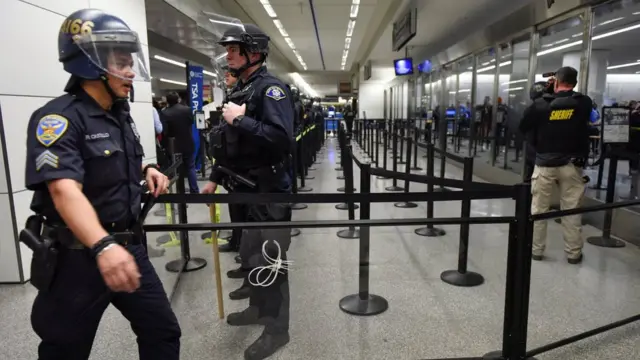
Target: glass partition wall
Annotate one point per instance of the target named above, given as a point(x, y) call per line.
point(480, 98)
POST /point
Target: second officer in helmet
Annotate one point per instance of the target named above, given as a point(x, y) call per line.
point(258, 131)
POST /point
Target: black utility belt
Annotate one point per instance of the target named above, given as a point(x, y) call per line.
point(65, 237)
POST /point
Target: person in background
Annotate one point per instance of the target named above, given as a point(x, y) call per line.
point(157, 124)
point(179, 125)
point(561, 123)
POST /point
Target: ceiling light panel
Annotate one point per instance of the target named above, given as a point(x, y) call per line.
point(272, 14)
point(353, 14)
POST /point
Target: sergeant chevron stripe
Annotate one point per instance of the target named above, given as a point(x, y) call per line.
point(46, 158)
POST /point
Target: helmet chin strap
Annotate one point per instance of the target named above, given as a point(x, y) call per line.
point(237, 72)
point(116, 99)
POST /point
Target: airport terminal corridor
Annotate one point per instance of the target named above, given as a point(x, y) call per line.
point(419, 143)
point(427, 318)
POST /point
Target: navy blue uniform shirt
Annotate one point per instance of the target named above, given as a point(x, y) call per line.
point(265, 132)
point(72, 137)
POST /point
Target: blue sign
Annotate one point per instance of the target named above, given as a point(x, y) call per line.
point(196, 83)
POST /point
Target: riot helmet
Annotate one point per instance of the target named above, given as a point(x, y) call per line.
point(224, 31)
point(537, 90)
point(93, 45)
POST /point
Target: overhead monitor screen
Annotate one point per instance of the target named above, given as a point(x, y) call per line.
point(403, 66)
point(424, 67)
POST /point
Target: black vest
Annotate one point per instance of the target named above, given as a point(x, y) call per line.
point(564, 121)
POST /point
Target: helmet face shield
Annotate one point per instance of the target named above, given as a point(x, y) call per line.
point(219, 31)
point(117, 53)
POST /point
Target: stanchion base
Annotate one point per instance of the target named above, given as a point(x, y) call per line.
point(179, 265)
point(298, 206)
point(342, 189)
point(309, 177)
point(345, 206)
point(339, 168)
point(406, 205)
point(340, 177)
point(382, 177)
point(605, 242)
point(430, 232)
point(349, 234)
point(497, 355)
point(305, 189)
point(443, 189)
point(311, 168)
point(416, 168)
point(468, 279)
point(295, 232)
point(394, 188)
point(373, 305)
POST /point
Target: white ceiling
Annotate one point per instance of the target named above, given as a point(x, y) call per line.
point(440, 24)
point(321, 51)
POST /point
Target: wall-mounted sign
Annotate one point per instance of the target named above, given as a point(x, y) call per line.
point(404, 29)
point(344, 87)
point(367, 70)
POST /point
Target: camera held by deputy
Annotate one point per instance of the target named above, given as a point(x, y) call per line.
point(560, 120)
point(84, 164)
point(258, 133)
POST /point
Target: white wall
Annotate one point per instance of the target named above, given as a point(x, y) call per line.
point(371, 100)
point(30, 80)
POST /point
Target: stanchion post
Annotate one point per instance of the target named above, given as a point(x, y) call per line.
point(186, 263)
point(294, 185)
point(605, 240)
point(394, 156)
point(462, 277)
point(385, 146)
point(363, 303)
point(416, 138)
point(351, 232)
point(401, 136)
point(377, 142)
point(301, 164)
point(518, 282)
point(429, 230)
point(407, 171)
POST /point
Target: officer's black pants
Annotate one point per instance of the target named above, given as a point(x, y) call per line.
point(272, 301)
point(237, 213)
point(66, 318)
point(349, 125)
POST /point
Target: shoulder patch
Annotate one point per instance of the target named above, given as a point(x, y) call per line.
point(276, 93)
point(51, 128)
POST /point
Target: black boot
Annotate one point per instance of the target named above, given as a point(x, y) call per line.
point(248, 316)
point(266, 345)
point(243, 292)
point(228, 248)
point(239, 273)
point(238, 259)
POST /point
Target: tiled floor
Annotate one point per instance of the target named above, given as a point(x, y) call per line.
point(426, 317)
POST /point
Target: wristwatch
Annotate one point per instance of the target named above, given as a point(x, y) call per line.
point(237, 120)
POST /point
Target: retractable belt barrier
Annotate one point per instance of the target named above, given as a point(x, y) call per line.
point(519, 254)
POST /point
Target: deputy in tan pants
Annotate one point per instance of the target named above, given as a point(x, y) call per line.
point(569, 178)
point(558, 124)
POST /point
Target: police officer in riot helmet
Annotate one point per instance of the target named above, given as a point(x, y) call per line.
point(258, 121)
point(349, 116)
point(536, 92)
point(560, 121)
point(84, 165)
point(298, 107)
